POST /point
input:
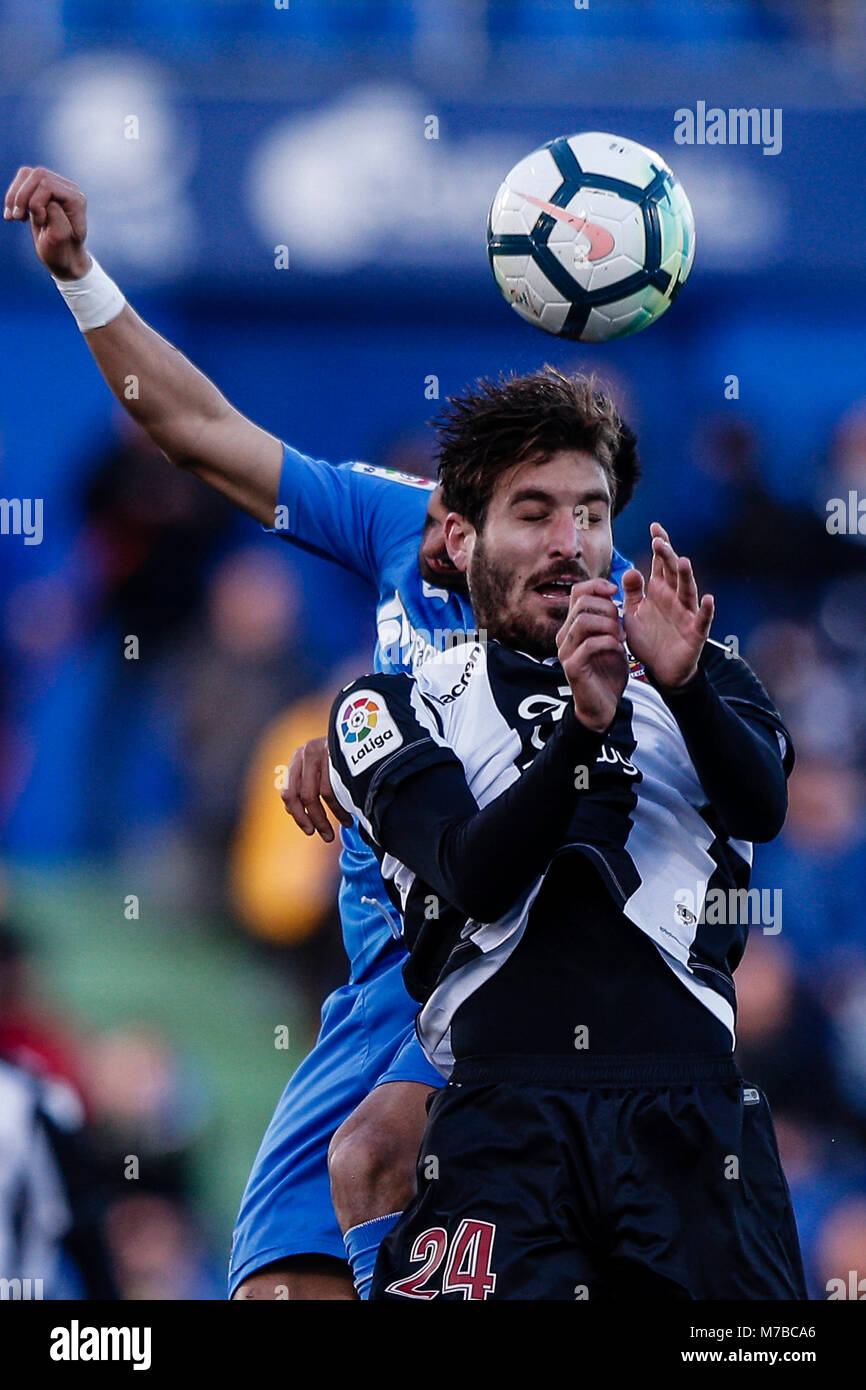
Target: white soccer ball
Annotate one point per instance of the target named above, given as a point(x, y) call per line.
point(591, 237)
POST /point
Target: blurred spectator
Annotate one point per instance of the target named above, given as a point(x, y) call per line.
point(29, 1036)
point(849, 1014)
point(819, 864)
point(230, 676)
point(819, 696)
point(787, 1045)
point(777, 556)
point(150, 1106)
point(151, 532)
point(147, 1101)
point(785, 1039)
point(842, 1250)
point(158, 1251)
point(283, 881)
point(846, 468)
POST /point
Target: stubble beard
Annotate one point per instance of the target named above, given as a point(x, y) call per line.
point(495, 602)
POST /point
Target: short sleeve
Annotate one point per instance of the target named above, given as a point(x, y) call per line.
point(382, 731)
point(352, 513)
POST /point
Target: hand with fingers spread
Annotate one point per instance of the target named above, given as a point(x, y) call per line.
point(591, 649)
point(308, 786)
point(57, 212)
point(666, 624)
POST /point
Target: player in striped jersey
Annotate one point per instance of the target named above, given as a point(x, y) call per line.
point(541, 803)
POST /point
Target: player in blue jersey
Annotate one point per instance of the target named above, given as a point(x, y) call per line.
point(378, 524)
point(366, 1080)
point(394, 536)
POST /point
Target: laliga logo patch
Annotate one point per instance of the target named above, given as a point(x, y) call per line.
point(394, 475)
point(367, 731)
point(359, 719)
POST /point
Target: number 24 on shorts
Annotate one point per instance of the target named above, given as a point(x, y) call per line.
point(467, 1270)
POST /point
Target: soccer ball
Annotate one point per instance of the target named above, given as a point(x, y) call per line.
point(591, 237)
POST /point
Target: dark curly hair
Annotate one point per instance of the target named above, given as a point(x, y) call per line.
point(496, 424)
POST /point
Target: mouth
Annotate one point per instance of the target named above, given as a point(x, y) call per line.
point(557, 590)
point(440, 564)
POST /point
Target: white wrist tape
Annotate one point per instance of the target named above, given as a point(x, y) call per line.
point(94, 299)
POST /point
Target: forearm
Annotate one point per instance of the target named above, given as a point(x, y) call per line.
point(737, 759)
point(481, 861)
point(160, 388)
point(185, 414)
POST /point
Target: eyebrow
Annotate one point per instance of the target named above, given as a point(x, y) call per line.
point(535, 494)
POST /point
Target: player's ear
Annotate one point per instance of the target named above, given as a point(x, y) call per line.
point(459, 540)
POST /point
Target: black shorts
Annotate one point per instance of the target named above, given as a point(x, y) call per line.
point(611, 1180)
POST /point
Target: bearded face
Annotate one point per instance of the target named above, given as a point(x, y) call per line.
point(547, 527)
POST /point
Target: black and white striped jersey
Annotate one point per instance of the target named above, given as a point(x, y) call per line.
point(471, 777)
point(35, 1213)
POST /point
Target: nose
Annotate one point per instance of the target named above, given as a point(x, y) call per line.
point(565, 537)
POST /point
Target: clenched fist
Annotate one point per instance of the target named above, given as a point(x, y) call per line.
point(591, 649)
point(57, 211)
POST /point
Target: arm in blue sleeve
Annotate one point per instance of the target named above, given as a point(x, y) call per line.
point(349, 513)
point(481, 861)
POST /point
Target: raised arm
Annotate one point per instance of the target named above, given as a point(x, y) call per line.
point(734, 736)
point(185, 415)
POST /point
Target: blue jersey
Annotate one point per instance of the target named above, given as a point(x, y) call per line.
point(370, 520)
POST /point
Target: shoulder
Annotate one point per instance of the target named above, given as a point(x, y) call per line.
point(383, 730)
point(376, 715)
point(374, 475)
point(446, 677)
point(361, 706)
point(392, 507)
point(393, 495)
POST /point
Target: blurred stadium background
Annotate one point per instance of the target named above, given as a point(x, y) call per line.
point(165, 928)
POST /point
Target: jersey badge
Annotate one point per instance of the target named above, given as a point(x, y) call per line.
point(367, 730)
point(636, 668)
